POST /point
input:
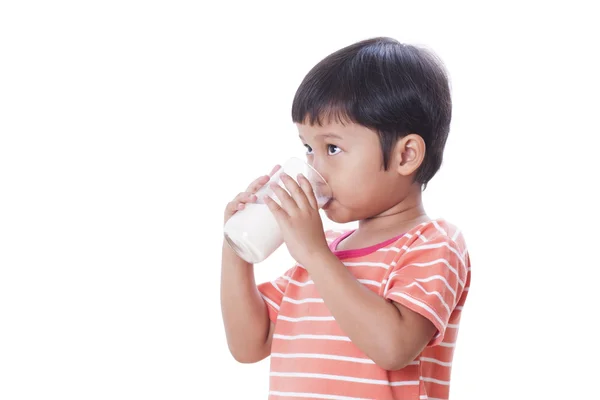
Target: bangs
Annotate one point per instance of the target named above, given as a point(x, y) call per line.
point(324, 100)
point(359, 85)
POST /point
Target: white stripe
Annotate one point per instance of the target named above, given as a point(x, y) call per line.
point(435, 246)
point(324, 357)
point(453, 326)
point(276, 288)
point(438, 362)
point(443, 261)
point(435, 293)
point(459, 308)
point(368, 282)
point(439, 228)
point(385, 249)
point(439, 278)
point(426, 379)
point(314, 395)
point(342, 378)
point(444, 344)
point(404, 383)
point(310, 282)
point(420, 304)
point(290, 280)
point(315, 337)
point(420, 235)
point(302, 301)
point(408, 235)
point(271, 302)
point(290, 319)
point(366, 264)
point(456, 234)
point(428, 264)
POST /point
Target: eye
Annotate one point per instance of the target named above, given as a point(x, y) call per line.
point(333, 149)
point(309, 150)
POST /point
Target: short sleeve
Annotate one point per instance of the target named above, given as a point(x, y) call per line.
point(273, 291)
point(429, 279)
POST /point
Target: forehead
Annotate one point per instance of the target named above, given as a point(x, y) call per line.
point(348, 131)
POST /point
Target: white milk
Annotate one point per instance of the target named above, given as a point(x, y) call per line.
point(253, 233)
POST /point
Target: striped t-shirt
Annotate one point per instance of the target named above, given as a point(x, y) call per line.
point(427, 270)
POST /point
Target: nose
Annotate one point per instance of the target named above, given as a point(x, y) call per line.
point(321, 169)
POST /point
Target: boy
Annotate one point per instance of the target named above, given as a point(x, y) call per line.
point(370, 313)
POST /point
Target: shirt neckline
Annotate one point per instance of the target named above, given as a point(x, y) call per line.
point(352, 253)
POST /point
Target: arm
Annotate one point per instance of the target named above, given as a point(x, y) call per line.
point(247, 326)
point(391, 332)
point(387, 332)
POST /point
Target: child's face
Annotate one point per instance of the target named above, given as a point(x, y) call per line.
point(350, 159)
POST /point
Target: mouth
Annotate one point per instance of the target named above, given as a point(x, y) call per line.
point(326, 205)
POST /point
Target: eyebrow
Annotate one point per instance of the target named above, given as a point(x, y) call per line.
point(325, 136)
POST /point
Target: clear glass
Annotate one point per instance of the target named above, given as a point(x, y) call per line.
point(253, 232)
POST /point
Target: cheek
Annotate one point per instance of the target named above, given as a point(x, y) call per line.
point(355, 189)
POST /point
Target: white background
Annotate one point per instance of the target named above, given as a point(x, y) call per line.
point(126, 126)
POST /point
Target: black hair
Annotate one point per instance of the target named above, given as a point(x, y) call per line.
point(393, 88)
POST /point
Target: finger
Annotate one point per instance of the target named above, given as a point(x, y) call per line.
point(238, 203)
point(262, 181)
point(308, 191)
point(245, 197)
point(278, 212)
point(257, 184)
point(232, 205)
point(296, 191)
point(287, 203)
point(231, 208)
point(275, 169)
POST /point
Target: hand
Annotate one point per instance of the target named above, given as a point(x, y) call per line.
point(248, 196)
point(298, 218)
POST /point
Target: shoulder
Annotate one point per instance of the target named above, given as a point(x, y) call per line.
point(437, 231)
point(435, 239)
point(438, 244)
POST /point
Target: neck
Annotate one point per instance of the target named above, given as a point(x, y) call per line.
point(398, 219)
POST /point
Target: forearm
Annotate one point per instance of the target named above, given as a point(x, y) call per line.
point(372, 323)
point(244, 311)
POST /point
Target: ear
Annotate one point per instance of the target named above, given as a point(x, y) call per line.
point(409, 154)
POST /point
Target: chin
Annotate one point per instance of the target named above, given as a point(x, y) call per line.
point(332, 215)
